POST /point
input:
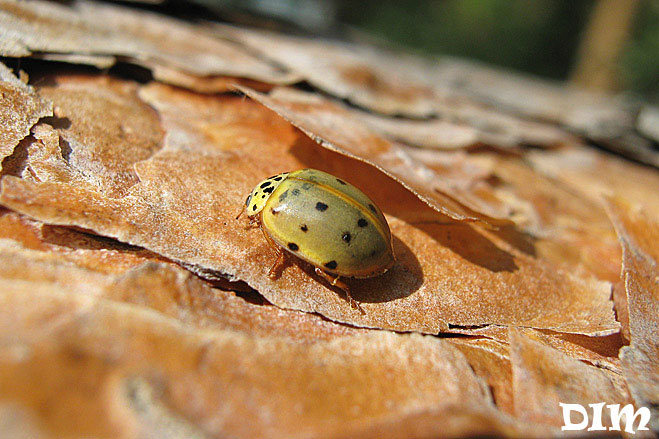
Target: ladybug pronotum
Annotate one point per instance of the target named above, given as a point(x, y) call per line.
point(324, 221)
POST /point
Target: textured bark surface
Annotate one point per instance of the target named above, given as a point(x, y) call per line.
point(135, 304)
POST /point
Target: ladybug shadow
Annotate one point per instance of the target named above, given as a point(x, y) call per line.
point(401, 280)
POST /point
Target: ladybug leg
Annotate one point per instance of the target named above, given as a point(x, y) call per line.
point(253, 221)
point(278, 266)
point(335, 282)
point(280, 262)
point(242, 209)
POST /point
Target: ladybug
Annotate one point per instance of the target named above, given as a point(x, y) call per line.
point(324, 221)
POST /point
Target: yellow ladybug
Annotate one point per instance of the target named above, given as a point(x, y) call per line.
point(324, 221)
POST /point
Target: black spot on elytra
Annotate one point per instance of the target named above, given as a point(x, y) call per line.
point(346, 237)
point(293, 246)
point(306, 186)
point(254, 207)
point(249, 197)
point(277, 178)
point(264, 184)
point(295, 192)
point(331, 265)
point(304, 227)
point(269, 190)
point(341, 181)
point(283, 196)
point(321, 206)
point(372, 207)
point(362, 222)
point(263, 196)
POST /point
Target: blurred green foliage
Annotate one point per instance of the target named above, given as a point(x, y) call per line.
point(539, 37)
point(639, 66)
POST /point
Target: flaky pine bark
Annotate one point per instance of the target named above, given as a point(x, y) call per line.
point(134, 304)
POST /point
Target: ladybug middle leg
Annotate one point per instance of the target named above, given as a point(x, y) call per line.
point(335, 282)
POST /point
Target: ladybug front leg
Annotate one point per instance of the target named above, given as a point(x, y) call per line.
point(278, 266)
point(335, 282)
point(242, 209)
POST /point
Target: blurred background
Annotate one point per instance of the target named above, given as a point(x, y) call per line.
point(602, 45)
